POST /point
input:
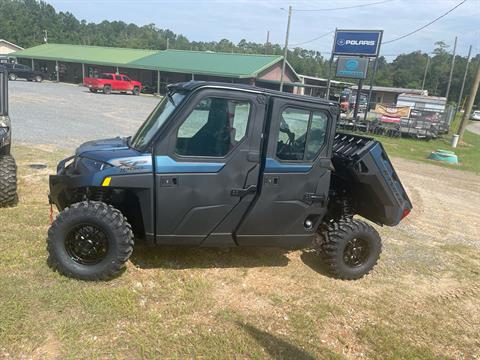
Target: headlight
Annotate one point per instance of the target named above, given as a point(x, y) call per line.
point(91, 164)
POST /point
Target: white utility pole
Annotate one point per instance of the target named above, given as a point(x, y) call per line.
point(451, 69)
point(286, 48)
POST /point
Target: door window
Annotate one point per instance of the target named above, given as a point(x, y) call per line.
point(316, 135)
point(301, 134)
point(213, 128)
point(118, 77)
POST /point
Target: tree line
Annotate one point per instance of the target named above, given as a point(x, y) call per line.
point(23, 22)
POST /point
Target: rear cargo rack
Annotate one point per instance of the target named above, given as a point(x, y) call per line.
point(363, 168)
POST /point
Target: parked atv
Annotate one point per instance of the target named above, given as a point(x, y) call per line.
point(8, 168)
point(219, 165)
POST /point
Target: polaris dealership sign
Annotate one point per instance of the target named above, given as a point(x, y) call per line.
point(357, 42)
point(352, 67)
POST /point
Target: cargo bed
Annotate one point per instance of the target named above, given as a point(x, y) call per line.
point(363, 170)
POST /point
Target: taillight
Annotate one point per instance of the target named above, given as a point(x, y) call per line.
point(405, 212)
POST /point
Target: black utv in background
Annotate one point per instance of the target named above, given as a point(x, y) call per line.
point(19, 71)
point(221, 165)
point(8, 169)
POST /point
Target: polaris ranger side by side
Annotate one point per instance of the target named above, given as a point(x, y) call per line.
point(220, 165)
point(8, 168)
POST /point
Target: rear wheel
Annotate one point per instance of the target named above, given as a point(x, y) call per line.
point(12, 77)
point(136, 91)
point(107, 89)
point(38, 78)
point(8, 181)
point(89, 240)
point(351, 248)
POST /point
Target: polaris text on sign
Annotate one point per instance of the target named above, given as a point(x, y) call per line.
point(357, 42)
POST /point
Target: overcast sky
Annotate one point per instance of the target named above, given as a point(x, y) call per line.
point(206, 20)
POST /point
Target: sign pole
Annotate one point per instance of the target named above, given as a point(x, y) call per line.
point(357, 99)
point(374, 74)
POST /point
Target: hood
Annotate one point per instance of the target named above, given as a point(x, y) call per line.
point(106, 149)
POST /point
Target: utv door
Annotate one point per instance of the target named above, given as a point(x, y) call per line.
point(294, 189)
point(207, 167)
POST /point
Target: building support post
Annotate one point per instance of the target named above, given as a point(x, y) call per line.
point(33, 65)
point(83, 72)
point(158, 82)
point(57, 70)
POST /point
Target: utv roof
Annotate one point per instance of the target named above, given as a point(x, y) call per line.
point(193, 85)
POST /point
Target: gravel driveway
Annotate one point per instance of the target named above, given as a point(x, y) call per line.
point(474, 127)
point(65, 115)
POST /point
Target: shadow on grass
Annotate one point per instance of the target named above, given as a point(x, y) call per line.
point(190, 258)
point(315, 261)
point(275, 347)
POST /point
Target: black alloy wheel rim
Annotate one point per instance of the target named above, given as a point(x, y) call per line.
point(87, 244)
point(356, 252)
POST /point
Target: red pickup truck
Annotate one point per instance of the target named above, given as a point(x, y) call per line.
point(108, 82)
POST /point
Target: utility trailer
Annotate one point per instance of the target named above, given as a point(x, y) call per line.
point(8, 168)
point(225, 165)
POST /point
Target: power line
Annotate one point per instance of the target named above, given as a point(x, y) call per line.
point(346, 7)
point(424, 26)
point(314, 39)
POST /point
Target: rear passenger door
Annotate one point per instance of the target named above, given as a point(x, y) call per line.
point(294, 188)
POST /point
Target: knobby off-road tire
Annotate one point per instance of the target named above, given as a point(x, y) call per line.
point(76, 228)
point(351, 249)
point(8, 181)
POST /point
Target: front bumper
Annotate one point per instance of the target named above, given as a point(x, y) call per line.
point(67, 186)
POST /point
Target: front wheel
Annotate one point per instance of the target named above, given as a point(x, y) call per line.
point(107, 89)
point(351, 248)
point(89, 240)
point(38, 78)
point(136, 91)
point(12, 77)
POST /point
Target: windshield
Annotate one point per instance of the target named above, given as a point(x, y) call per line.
point(156, 119)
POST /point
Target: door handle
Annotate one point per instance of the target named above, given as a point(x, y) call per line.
point(242, 192)
point(168, 181)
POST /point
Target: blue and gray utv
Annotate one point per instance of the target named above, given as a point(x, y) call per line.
point(224, 165)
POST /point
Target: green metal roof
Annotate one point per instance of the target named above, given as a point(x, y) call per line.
point(209, 63)
point(195, 62)
point(86, 54)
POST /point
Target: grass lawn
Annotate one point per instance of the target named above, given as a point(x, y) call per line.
point(468, 151)
point(238, 303)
